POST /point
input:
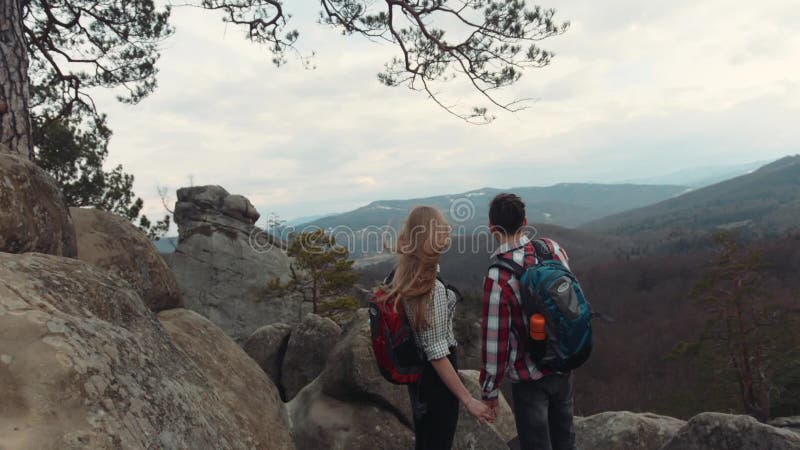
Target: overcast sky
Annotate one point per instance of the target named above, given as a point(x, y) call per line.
point(637, 89)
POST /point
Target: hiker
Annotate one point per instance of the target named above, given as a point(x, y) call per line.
point(543, 401)
point(430, 307)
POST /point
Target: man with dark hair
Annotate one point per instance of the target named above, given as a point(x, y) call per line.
point(542, 399)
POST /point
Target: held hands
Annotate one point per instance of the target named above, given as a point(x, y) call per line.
point(480, 410)
point(492, 405)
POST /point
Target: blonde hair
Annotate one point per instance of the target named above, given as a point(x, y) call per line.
point(423, 238)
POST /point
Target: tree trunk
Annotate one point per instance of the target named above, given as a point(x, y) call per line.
point(15, 120)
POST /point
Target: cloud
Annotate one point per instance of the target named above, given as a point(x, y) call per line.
point(645, 87)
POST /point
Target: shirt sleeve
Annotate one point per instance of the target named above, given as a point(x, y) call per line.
point(495, 328)
point(433, 339)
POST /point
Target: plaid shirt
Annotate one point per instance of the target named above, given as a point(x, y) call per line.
point(438, 338)
point(504, 327)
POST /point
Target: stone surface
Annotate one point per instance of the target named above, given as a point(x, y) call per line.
point(223, 263)
point(267, 346)
point(470, 435)
point(241, 387)
point(320, 421)
point(307, 351)
point(623, 430)
point(790, 423)
point(85, 364)
point(351, 373)
point(33, 215)
point(716, 431)
point(111, 242)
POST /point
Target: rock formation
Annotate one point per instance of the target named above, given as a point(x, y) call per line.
point(111, 242)
point(241, 388)
point(85, 364)
point(33, 215)
point(320, 421)
point(344, 406)
point(790, 423)
point(351, 374)
point(223, 262)
point(623, 430)
point(267, 346)
point(309, 346)
point(716, 431)
point(473, 436)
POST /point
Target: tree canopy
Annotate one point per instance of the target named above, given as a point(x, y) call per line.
point(77, 45)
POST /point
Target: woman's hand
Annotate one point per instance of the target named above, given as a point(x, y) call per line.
point(479, 410)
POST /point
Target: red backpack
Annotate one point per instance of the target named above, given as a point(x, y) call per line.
point(399, 359)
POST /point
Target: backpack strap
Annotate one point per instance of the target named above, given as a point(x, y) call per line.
point(542, 250)
point(389, 277)
point(450, 287)
point(509, 265)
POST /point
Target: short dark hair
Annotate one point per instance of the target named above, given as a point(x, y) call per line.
point(507, 213)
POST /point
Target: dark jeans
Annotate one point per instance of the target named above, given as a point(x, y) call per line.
point(543, 412)
point(435, 410)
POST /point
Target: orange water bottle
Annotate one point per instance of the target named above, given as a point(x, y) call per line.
point(538, 331)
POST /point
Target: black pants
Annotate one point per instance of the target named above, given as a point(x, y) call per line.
point(543, 412)
point(435, 410)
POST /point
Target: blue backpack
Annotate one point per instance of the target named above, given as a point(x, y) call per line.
point(552, 290)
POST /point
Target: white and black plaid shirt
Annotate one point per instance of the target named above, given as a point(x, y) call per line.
point(438, 338)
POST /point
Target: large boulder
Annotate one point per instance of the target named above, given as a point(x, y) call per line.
point(623, 430)
point(717, 431)
point(239, 384)
point(470, 435)
point(308, 348)
point(85, 364)
point(267, 346)
point(223, 262)
point(320, 421)
point(33, 215)
point(111, 242)
point(351, 374)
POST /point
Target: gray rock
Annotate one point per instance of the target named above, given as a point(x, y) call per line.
point(470, 435)
point(716, 431)
point(267, 346)
point(33, 215)
point(307, 351)
point(351, 374)
point(320, 421)
point(623, 430)
point(111, 242)
point(85, 364)
point(239, 385)
point(223, 263)
point(790, 423)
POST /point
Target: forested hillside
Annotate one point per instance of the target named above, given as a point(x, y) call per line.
point(765, 202)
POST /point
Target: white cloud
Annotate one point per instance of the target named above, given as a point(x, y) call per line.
point(648, 87)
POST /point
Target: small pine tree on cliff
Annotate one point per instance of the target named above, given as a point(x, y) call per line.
point(322, 272)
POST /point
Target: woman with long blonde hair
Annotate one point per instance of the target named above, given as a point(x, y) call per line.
point(430, 308)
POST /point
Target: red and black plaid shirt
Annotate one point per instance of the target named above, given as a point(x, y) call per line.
point(504, 326)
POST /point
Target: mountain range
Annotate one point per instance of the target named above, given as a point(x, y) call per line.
point(766, 201)
point(565, 204)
